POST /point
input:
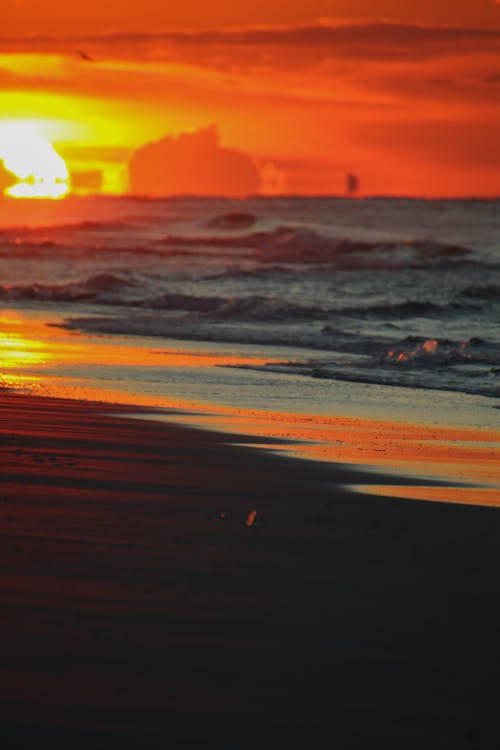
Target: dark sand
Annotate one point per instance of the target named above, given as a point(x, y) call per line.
point(134, 615)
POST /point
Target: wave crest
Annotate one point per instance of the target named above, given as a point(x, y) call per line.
point(414, 350)
point(291, 244)
point(92, 289)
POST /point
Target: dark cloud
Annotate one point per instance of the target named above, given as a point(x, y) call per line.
point(494, 78)
point(359, 34)
point(81, 16)
point(380, 41)
point(193, 164)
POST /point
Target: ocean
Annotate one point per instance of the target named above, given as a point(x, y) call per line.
point(381, 291)
point(284, 319)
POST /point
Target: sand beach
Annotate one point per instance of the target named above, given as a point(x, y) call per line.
point(140, 609)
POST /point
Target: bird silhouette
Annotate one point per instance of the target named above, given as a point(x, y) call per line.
point(84, 55)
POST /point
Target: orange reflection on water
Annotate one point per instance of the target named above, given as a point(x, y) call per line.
point(357, 440)
point(50, 344)
point(437, 455)
point(17, 351)
point(32, 352)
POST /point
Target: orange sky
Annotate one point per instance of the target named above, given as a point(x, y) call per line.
point(404, 94)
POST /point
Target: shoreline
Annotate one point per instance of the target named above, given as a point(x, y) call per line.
point(446, 443)
point(139, 607)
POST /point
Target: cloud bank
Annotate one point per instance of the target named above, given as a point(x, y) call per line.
point(192, 164)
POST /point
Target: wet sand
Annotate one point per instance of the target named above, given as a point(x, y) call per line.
point(139, 609)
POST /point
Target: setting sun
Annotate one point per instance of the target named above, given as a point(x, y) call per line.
point(31, 158)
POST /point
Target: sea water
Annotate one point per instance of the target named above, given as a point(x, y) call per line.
point(382, 291)
point(330, 306)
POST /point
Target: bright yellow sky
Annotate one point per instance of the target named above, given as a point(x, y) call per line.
point(405, 94)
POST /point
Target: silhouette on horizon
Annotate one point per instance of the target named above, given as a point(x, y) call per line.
point(352, 183)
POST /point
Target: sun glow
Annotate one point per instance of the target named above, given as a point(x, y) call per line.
point(17, 351)
point(31, 158)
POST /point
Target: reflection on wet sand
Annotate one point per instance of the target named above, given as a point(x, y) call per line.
point(450, 464)
point(432, 455)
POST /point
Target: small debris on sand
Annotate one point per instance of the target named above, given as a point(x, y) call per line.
point(251, 518)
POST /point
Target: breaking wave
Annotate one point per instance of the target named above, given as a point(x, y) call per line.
point(140, 291)
point(95, 289)
point(303, 245)
point(414, 350)
point(289, 244)
point(470, 366)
